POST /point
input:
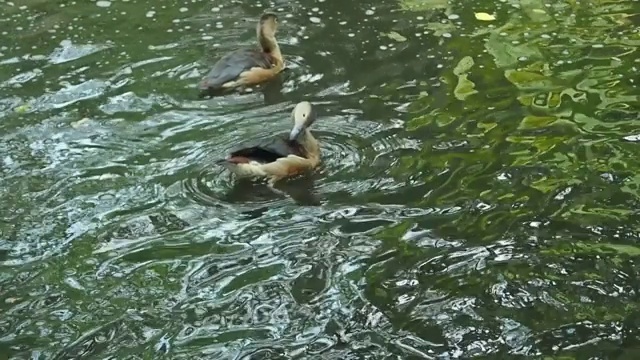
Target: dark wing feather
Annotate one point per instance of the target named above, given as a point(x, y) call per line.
point(230, 66)
point(269, 150)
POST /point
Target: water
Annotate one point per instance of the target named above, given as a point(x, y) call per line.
point(478, 194)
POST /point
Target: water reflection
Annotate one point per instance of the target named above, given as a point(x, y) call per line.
point(463, 208)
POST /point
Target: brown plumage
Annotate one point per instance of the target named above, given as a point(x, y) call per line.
point(247, 67)
point(282, 156)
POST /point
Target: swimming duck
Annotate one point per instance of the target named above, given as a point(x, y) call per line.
point(247, 67)
point(282, 156)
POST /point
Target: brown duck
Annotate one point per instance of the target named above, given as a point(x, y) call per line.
point(282, 156)
point(247, 67)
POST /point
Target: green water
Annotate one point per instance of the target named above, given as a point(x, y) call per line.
point(478, 196)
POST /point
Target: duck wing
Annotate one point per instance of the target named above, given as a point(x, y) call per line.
point(230, 66)
point(266, 151)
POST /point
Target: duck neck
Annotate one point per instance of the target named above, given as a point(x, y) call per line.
point(310, 145)
point(270, 45)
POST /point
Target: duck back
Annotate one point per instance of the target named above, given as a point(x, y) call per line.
point(230, 66)
point(266, 151)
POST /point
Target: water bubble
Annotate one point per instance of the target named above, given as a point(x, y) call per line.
point(103, 3)
point(215, 9)
point(150, 13)
point(454, 17)
point(369, 12)
point(183, 9)
point(315, 20)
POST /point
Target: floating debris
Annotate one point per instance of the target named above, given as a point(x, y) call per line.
point(77, 124)
point(22, 109)
point(395, 36)
point(483, 16)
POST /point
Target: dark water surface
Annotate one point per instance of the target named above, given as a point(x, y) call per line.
point(478, 196)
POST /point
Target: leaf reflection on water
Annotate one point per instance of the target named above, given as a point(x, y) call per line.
point(477, 196)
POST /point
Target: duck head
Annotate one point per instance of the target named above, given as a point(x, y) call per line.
point(266, 30)
point(303, 116)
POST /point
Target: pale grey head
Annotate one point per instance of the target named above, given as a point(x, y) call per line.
point(303, 116)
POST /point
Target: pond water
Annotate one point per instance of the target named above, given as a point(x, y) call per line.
point(478, 195)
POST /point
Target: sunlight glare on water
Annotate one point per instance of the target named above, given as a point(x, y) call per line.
point(477, 196)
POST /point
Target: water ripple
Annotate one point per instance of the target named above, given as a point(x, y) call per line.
point(476, 196)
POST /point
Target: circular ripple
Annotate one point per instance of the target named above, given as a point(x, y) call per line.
point(339, 153)
point(198, 188)
point(359, 156)
point(219, 188)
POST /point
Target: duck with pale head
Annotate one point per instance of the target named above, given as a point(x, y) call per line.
point(244, 68)
point(281, 156)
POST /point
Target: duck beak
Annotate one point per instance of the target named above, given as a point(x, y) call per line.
point(295, 132)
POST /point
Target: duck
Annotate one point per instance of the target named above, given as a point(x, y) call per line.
point(244, 68)
point(282, 156)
